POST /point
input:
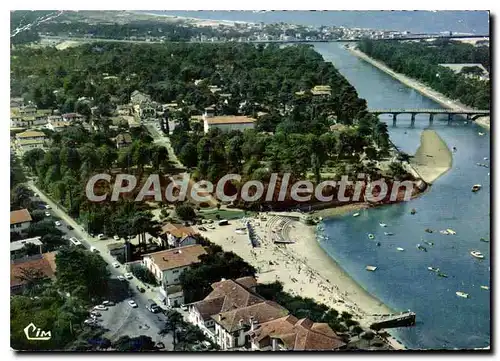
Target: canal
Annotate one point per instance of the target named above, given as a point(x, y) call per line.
point(402, 280)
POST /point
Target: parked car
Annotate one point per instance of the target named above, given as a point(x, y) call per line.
point(101, 236)
point(129, 275)
point(47, 206)
point(93, 249)
point(95, 313)
point(47, 214)
point(132, 303)
point(140, 289)
point(108, 303)
point(116, 264)
point(57, 223)
point(202, 229)
point(184, 307)
point(69, 227)
point(90, 321)
point(121, 278)
point(100, 308)
point(116, 238)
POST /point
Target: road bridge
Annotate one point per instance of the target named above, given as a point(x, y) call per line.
point(471, 115)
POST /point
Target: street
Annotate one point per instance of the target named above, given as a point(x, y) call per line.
point(120, 319)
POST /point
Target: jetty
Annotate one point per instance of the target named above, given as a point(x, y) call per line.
point(392, 320)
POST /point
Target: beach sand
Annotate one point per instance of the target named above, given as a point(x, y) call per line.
point(303, 267)
point(420, 87)
point(433, 157)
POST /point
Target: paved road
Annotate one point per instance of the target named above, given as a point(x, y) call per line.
point(122, 319)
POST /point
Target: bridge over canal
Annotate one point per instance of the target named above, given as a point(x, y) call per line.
point(471, 115)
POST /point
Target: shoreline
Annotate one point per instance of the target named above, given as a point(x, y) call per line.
point(194, 21)
point(303, 267)
point(420, 87)
point(433, 157)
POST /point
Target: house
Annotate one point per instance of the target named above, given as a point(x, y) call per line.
point(20, 221)
point(178, 236)
point(321, 90)
point(226, 295)
point(138, 97)
point(227, 122)
point(16, 248)
point(478, 70)
point(230, 310)
point(123, 140)
point(16, 102)
point(145, 109)
point(124, 109)
point(30, 140)
point(288, 333)
point(173, 296)
point(72, 117)
point(44, 263)
point(56, 123)
point(168, 265)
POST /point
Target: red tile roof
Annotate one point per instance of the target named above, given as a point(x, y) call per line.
point(44, 263)
point(20, 216)
point(177, 257)
point(295, 334)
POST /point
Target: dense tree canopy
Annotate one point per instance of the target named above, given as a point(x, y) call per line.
point(420, 60)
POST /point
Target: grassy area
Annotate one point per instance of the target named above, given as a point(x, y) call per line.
point(223, 213)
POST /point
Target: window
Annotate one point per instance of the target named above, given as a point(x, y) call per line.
point(175, 271)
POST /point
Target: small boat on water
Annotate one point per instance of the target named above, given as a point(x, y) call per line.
point(413, 211)
point(383, 225)
point(477, 254)
point(421, 248)
point(433, 269)
point(355, 214)
point(483, 240)
point(378, 244)
point(400, 249)
point(462, 294)
point(371, 268)
point(450, 231)
point(485, 158)
point(476, 187)
point(454, 149)
point(481, 134)
point(442, 275)
point(428, 242)
point(371, 236)
point(389, 233)
point(485, 288)
point(428, 230)
point(444, 232)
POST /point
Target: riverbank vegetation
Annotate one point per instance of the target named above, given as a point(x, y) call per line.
point(420, 60)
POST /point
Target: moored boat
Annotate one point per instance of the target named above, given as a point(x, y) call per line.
point(371, 236)
point(433, 269)
point(440, 274)
point(485, 288)
point(462, 294)
point(450, 231)
point(413, 211)
point(371, 268)
point(400, 249)
point(476, 187)
point(421, 248)
point(477, 254)
point(483, 240)
point(428, 230)
point(355, 214)
point(444, 232)
point(383, 225)
point(389, 233)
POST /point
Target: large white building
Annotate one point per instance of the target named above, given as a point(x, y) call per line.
point(227, 122)
point(168, 265)
point(30, 140)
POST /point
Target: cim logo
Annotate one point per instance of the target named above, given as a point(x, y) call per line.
point(36, 334)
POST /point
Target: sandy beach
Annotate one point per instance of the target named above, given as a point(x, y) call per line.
point(303, 267)
point(420, 87)
point(433, 157)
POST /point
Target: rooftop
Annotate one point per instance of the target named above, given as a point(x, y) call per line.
point(30, 134)
point(20, 216)
point(296, 334)
point(177, 257)
point(17, 245)
point(45, 263)
point(230, 119)
point(177, 230)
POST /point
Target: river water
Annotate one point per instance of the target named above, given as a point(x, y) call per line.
point(402, 280)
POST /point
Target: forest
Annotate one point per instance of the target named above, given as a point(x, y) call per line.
point(420, 60)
